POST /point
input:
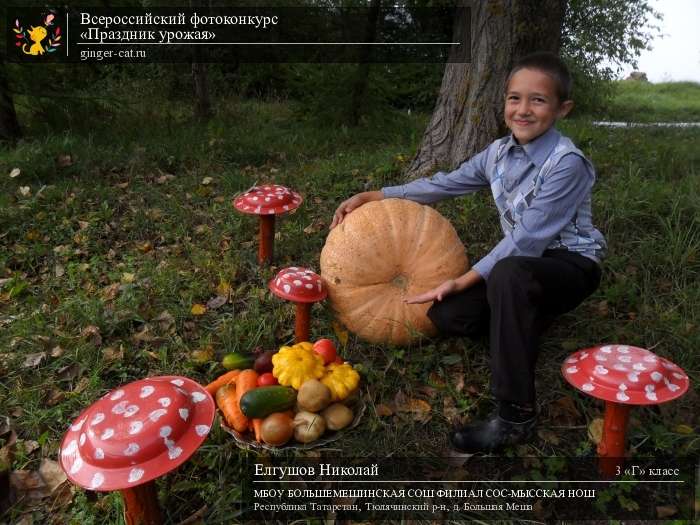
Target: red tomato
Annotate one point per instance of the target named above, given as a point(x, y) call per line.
point(326, 349)
point(267, 379)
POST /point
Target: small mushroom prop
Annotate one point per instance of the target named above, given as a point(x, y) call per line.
point(622, 376)
point(267, 202)
point(303, 287)
point(135, 434)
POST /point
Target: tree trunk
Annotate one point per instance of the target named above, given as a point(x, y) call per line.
point(9, 126)
point(468, 114)
point(359, 87)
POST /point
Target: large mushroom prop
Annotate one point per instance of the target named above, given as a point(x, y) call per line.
point(135, 434)
point(622, 376)
point(267, 202)
point(303, 287)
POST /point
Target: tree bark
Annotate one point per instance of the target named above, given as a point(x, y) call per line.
point(9, 125)
point(468, 114)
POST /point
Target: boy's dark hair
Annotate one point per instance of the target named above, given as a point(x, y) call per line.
point(550, 64)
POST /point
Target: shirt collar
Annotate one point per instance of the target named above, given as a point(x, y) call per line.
point(539, 149)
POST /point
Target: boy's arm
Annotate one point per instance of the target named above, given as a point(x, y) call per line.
point(550, 211)
point(469, 177)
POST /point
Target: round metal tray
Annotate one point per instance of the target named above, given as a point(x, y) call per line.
point(245, 442)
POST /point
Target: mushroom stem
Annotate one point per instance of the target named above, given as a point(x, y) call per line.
point(141, 505)
point(301, 324)
point(612, 444)
point(266, 239)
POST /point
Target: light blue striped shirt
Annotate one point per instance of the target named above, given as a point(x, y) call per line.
point(542, 191)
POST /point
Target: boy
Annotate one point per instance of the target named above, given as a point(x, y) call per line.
point(548, 260)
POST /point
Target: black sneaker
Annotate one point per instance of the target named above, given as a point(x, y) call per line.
point(491, 435)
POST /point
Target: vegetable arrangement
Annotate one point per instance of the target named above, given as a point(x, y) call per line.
point(299, 392)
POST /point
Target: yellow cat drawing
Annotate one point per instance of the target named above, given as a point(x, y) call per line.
point(37, 34)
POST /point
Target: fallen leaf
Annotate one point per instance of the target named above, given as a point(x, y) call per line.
point(665, 511)
point(340, 332)
point(418, 408)
point(108, 293)
point(128, 278)
point(81, 386)
point(203, 355)
point(449, 410)
point(59, 270)
point(216, 302)
point(207, 180)
point(223, 288)
point(595, 430)
point(112, 354)
point(122, 185)
point(384, 410)
point(564, 412)
point(602, 309)
point(55, 397)
point(165, 321)
point(30, 446)
point(27, 481)
point(92, 333)
point(247, 244)
point(165, 178)
point(315, 226)
point(145, 335)
point(83, 225)
point(683, 429)
point(198, 309)
point(32, 360)
point(145, 247)
point(33, 235)
point(69, 372)
point(25, 191)
point(15, 173)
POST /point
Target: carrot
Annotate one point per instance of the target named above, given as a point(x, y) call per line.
point(257, 427)
point(227, 401)
point(221, 381)
point(246, 380)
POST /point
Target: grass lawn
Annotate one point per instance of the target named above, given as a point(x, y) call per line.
point(104, 251)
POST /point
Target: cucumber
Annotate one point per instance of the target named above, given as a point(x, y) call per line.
point(265, 400)
point(237, 361)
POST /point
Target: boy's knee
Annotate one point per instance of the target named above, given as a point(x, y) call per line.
point(441, 317)
point(508, 275)
point(449, 322)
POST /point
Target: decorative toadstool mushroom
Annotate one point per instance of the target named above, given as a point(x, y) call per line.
point(135, 434)
point(303, 287)
point(622, 376)
point(267, 201)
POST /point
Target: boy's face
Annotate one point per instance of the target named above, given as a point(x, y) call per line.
point(532, 104)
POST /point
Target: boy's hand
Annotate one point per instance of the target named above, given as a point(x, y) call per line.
point(353, 203)
point(436, 294)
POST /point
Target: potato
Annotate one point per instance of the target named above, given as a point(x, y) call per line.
point(313, 396)
point(308, 427)
point(277, 429)
point(337, 416)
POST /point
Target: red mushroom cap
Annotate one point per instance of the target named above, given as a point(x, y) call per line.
point(299, 285)
point(137, 433)
point(270, 199)
point(625, 374)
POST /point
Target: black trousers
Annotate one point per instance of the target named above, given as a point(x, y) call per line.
point(520, 299)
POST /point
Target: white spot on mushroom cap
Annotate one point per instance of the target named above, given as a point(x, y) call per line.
point(177, 382)
point(605, 349)
point(120, 407)
point(108, 433)
point(623, 349)
point(655, 376)
point(571, 370)
point(572, 360)
point(309, 286)
point(639, 367)
point(633, 376)
point(600, 369)
point(165, 431)
point(184, 413)
point(588, 387)
point(624, 358)
point(135, 474)
point(78, 425)
point(77, 465)
point(146, 391)
point(99, 453)
point(620, 367)
point(155, 415)
point(131, 410)
point(164, 402)
point(70, 448)
point(621, 396)
point(678, 376)
point(82, 439)
point(600, 358)
point(135, 427)
point(286, 288)
point(202, 430)
point(650, 359)
point(197, 397)
point(132, 449)
point(97, 480)
point(117, 395)
point(174, 452)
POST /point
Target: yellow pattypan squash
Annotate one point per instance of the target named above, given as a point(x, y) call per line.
point(293, 365)
point(341, 379)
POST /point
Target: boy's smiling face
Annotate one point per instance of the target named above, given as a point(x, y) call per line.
point(532, 104)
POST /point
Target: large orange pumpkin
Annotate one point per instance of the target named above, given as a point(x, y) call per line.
point(381, 253)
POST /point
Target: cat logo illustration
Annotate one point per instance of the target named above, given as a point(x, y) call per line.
point(37, 40)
